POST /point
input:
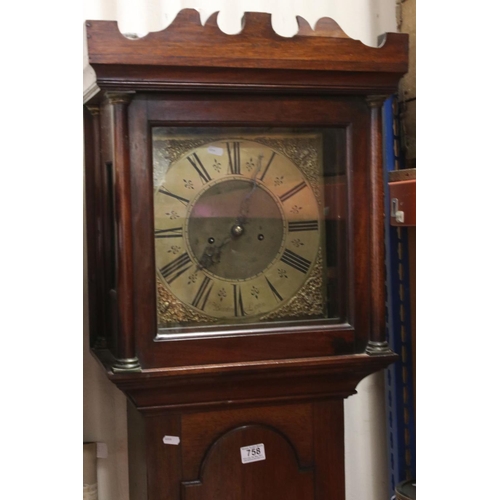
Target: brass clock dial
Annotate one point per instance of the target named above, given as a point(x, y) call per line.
point(238, 230)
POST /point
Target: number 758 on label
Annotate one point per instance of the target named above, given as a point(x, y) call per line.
point(252, 453)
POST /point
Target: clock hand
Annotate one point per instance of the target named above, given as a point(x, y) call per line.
point(211, 254)
point(241, 219)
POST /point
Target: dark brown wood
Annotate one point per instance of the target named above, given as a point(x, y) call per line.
point(205, 428)
point(377, 264)
point(302, 432)
point(223, 474)
point(312, 59)
point(95, 214)
point(137, 453)
point(303, 444)
point(95, 299)
point(164, 462)
point(123, 218)
point(152, 78)
point(108, 272)
point(351, 114)
point(282, 386)
point(209, 46)
point(329, 449)
point(228, 384)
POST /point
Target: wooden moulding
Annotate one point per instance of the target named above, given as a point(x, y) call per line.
point(241, 384)
point(172, 58)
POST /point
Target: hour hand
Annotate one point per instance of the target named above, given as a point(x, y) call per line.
point(211, 254)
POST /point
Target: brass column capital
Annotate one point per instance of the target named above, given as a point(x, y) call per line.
point(376, 101)
point(94, 109)
point(119, 97)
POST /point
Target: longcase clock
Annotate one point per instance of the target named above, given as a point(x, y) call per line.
point(235, 231)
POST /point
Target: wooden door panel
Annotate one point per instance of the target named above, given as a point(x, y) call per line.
point(224, 476)
point(201, 430)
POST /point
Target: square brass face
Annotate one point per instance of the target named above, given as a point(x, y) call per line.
point(240, 229)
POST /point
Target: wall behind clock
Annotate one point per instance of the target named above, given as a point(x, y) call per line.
point(104, 405)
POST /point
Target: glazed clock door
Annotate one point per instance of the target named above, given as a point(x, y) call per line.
point(245, 250)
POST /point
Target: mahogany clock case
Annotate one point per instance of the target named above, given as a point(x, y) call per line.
point(217, 389)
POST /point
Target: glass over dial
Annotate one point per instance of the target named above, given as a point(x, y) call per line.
point(237, 229)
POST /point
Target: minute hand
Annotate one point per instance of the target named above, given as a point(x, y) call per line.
point(245, 203)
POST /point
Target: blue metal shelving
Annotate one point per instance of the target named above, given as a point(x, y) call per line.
point(399, 376)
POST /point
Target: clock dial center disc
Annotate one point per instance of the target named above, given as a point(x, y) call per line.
point(235, 229)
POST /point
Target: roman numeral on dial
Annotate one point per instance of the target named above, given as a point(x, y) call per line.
point(168, 193)
point(203, 293)
point(303, 225)
point(267, 166)
point(239, 311)
point(293, 191)
point(200, 169)
point(277, 296)
point(295, 261)
point(233, 152)
point(175, 232)
point(178, 266)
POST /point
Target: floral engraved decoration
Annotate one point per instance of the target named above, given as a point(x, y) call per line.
point(282, 273)
point(193, 278)
point(174, 249)
point(217, 165)
point(173, 214)
point(250, 164)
